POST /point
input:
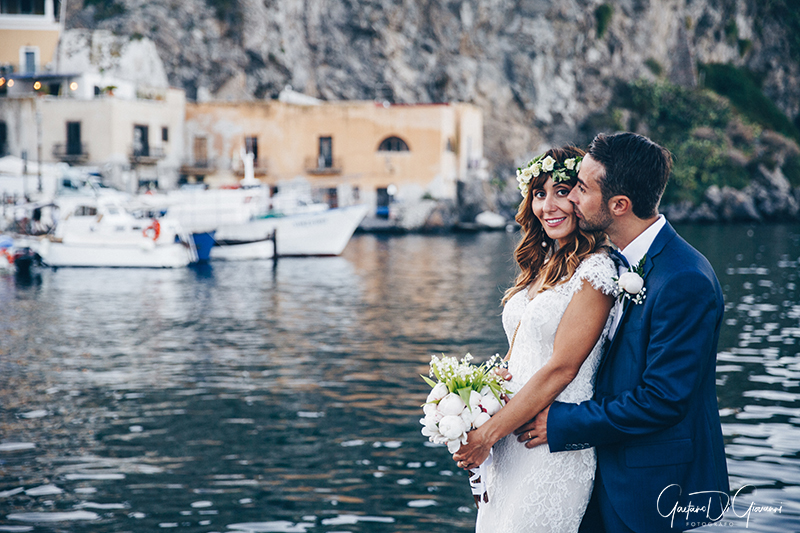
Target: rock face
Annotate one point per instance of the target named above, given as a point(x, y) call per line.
point(768, 198)
point(537, 68)
point(136, 61)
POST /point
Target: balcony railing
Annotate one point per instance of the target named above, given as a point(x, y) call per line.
point(71, 153)
point(197, 167)
point(149, 155)
point(320, 166)
point(260, 167)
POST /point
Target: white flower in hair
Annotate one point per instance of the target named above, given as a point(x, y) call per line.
point(560, 171)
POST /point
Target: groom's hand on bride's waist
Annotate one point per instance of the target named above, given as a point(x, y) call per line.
point(534, 433)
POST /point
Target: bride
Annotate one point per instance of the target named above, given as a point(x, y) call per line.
point(556, 317)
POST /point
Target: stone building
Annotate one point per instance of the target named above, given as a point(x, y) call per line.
point(103, 103)
point(363, 151)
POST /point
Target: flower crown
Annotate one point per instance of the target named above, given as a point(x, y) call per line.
point(560, 172)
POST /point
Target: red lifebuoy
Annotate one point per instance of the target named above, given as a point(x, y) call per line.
point(153, 230)
point(9, 256)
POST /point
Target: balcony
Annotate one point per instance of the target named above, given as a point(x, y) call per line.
point(197, 167)
point(74, 154)
point(318, 166)
point(260, 167)
point(146, 155)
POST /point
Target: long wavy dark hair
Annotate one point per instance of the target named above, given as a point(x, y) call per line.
point(552, 263)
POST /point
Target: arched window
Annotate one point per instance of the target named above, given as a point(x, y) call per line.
point(393, 144)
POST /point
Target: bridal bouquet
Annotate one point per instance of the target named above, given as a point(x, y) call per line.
point(463, 398)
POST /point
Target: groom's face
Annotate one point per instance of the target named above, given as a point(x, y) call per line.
point(587, 197)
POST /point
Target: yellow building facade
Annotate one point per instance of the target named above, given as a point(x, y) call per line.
point(29, 33)
point(353, 151)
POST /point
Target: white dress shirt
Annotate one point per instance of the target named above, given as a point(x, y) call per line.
point(634, 252)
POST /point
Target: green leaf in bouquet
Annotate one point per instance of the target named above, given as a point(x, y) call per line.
point(428, 380)
point(464, 393)
point(497, 390)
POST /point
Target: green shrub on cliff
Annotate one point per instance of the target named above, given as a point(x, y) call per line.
point(744, 91)
point(671, 110)
point(692, 124)
point(603, 15)
point(701, 163)
point(713, 135)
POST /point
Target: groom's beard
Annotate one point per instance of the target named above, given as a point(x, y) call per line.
point(599, 222)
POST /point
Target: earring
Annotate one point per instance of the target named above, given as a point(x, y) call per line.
point(544, 244)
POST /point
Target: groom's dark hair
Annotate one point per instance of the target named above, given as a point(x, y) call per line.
point(635, 167)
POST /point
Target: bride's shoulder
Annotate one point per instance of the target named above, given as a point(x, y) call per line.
point(599, 260)
point(599, 270)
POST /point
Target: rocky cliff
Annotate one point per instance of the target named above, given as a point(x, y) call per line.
point(538, 68)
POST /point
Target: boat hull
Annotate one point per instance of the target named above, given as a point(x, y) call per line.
point(243, 251)
point(57, 254)
point(315, 233)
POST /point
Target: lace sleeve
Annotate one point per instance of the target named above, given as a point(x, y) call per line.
point(599, 270)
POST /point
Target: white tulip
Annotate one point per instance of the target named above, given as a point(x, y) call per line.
point(452, 427)
point(430, 423)
point(474, 399)
point(431, 434)
point(468, 416)
point(453, 445)
point(490, 403)
point(429, 409)
point(451, 405)
point(480, 420)
point(438, 392)
point(631, 282)
point(432, 412)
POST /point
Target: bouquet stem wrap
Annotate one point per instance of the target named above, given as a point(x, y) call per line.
point(464, 398)
point(477, 481)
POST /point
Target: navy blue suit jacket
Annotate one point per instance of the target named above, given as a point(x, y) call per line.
point(654, 418)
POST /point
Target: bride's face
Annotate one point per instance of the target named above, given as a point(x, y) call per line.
point(554, 211)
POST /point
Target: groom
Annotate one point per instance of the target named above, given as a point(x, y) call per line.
point(654, 419)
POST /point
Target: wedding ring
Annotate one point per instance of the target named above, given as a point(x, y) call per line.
point(529, 436)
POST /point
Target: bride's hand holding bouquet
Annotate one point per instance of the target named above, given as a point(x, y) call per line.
point(478, 447)
point(462, 400)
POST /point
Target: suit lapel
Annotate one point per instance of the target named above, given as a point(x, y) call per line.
point(666, 234)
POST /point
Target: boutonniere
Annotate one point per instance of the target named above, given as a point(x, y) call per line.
point(630, 285)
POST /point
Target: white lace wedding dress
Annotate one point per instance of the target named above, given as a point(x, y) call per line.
point(533, 490)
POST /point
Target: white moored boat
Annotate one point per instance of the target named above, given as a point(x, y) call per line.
point(99, 234)
point(238, 222)
point(315, 232)
point(240, 251)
